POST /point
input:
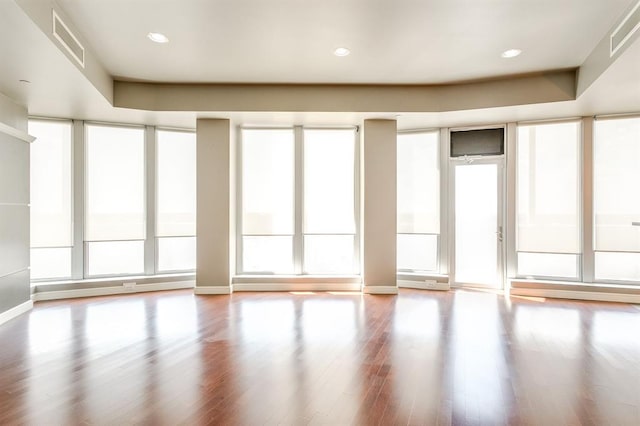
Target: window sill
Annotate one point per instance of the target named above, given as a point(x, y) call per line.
point(296, 279)
point(89, 283)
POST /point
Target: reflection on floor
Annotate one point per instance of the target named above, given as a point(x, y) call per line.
point(460, 357)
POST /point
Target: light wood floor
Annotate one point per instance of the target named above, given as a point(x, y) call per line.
point(463, 357)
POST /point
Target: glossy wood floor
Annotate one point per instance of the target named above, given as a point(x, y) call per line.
point(463, 357)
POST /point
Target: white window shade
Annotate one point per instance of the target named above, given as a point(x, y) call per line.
point(329, 206)
point(175, 184)
point(115, 183)
point(267, 182)
point(616, 182)
point(548, 172)
point(418, 183)
point(51, 184)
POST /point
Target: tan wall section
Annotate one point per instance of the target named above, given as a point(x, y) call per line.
point(552, 86)
point(379, 193)
point(213, 211)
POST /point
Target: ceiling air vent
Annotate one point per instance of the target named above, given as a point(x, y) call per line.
point(67, 39)
point(625, 30)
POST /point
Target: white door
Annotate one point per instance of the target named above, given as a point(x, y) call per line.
point(477, 222)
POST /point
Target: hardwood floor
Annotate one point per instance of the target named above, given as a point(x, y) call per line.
point(463, 357)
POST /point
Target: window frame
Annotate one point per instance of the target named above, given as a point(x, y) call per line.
point(148, 213)
point(298, 198)
point(79, 248)
point(153, 215)
point(443, 147)
point(580, 267)
point(72, 143)
point(592, 170)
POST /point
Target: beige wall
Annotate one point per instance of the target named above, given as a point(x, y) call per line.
point(214, 229)
point(515, 90)
point(379, 193)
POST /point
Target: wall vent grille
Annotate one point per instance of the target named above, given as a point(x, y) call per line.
point(627, 28)
point(64, 35)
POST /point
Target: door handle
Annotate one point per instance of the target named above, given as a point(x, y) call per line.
point(499, 233)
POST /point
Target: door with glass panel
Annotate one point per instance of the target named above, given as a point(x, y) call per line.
point(477, 222)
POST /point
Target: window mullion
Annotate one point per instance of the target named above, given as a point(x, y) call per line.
point(298, 238)
point(77, 252)
point(588, 256)
point(150, 201)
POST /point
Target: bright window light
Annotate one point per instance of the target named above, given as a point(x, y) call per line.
point(51, 184)
point(115, 184)
point(548, 199)
point(175, 184)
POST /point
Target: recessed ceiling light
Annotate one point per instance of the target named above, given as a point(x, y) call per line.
point(158, 37)
point(511, 53)
point(341, 51)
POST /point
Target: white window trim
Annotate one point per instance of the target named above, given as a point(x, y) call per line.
point(442, 260)
point(298, 236)
point(583, 208)
point(79, 273)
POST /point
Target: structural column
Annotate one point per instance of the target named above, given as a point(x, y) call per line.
point(213, 226)
point(379, 195)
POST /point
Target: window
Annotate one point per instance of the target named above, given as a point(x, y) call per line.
point(616, 185)
point(51, 199)
point(175, 200)
point(329, 194)
point(116, 239)
point(308, 226)
point(267, 200)
point(418, 201)
point(114, 200)
point(548, 200)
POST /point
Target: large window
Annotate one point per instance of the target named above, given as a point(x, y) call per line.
point(51, 199)
point(548, 200)
point(267, 200)
point(116, 171)
point(616, 190)
point(329, 201)
point(304, 226)
point(175, 200)
point(114, 200)
point(418, 201)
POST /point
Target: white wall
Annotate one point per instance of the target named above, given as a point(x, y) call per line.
point(14, 206)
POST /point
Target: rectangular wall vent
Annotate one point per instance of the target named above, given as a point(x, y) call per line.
point(627, 28)
point(64, 35)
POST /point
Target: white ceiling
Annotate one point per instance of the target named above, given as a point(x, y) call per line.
point(58, 88)
point(291, 41)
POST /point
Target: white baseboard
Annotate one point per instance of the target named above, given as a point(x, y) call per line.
point(297, 287)
point(380, 289)
point(213, 289)
point(577, 295)
point(424, 285)
point(107, 291)
point(15, 311)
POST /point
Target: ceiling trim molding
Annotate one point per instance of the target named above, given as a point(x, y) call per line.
point(552, 86)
